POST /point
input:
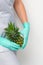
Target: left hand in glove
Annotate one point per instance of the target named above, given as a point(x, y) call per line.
point(25, 33)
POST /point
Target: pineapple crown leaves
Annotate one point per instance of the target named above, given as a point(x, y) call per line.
point(12, 29)
point(13, 34)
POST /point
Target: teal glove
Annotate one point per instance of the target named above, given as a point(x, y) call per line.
point(25, 33)
point(13, 46)
point(8, 44)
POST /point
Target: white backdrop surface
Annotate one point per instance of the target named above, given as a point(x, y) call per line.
point(33, 53)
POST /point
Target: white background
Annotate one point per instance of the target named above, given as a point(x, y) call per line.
point(33, 53)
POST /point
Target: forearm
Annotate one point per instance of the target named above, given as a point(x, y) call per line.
point(20, 10)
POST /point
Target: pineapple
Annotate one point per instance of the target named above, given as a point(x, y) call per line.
point(13, 34)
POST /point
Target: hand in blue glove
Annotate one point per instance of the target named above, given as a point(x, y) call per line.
point(13, 46)
point(8, 44)
point(25, 33)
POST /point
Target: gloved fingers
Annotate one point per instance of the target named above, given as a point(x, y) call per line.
point(13, 48)
point(25, 35)
point(13, 44)
point(24, 43)
point(6, 42)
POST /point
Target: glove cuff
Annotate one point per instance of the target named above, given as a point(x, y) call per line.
point(26, 25)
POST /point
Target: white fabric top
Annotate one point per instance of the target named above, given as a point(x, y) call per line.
point(6, 13)
point(5, 5)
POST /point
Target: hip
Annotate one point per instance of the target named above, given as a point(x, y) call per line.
point(8, 58)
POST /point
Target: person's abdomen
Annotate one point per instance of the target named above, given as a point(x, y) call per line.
point(4, 20)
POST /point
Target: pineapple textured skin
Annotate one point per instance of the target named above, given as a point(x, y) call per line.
point(13, 34)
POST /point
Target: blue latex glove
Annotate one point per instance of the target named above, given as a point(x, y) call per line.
point(13, 46)
point(25, 33)
point(8, 44)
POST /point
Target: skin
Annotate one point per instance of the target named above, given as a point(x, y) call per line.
point(20, 10)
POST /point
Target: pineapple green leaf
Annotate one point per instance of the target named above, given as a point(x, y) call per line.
point(13, 34)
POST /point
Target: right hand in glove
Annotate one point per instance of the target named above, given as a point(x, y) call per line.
point(9, 44)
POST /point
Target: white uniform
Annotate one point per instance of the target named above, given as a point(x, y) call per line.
point(7, 57)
